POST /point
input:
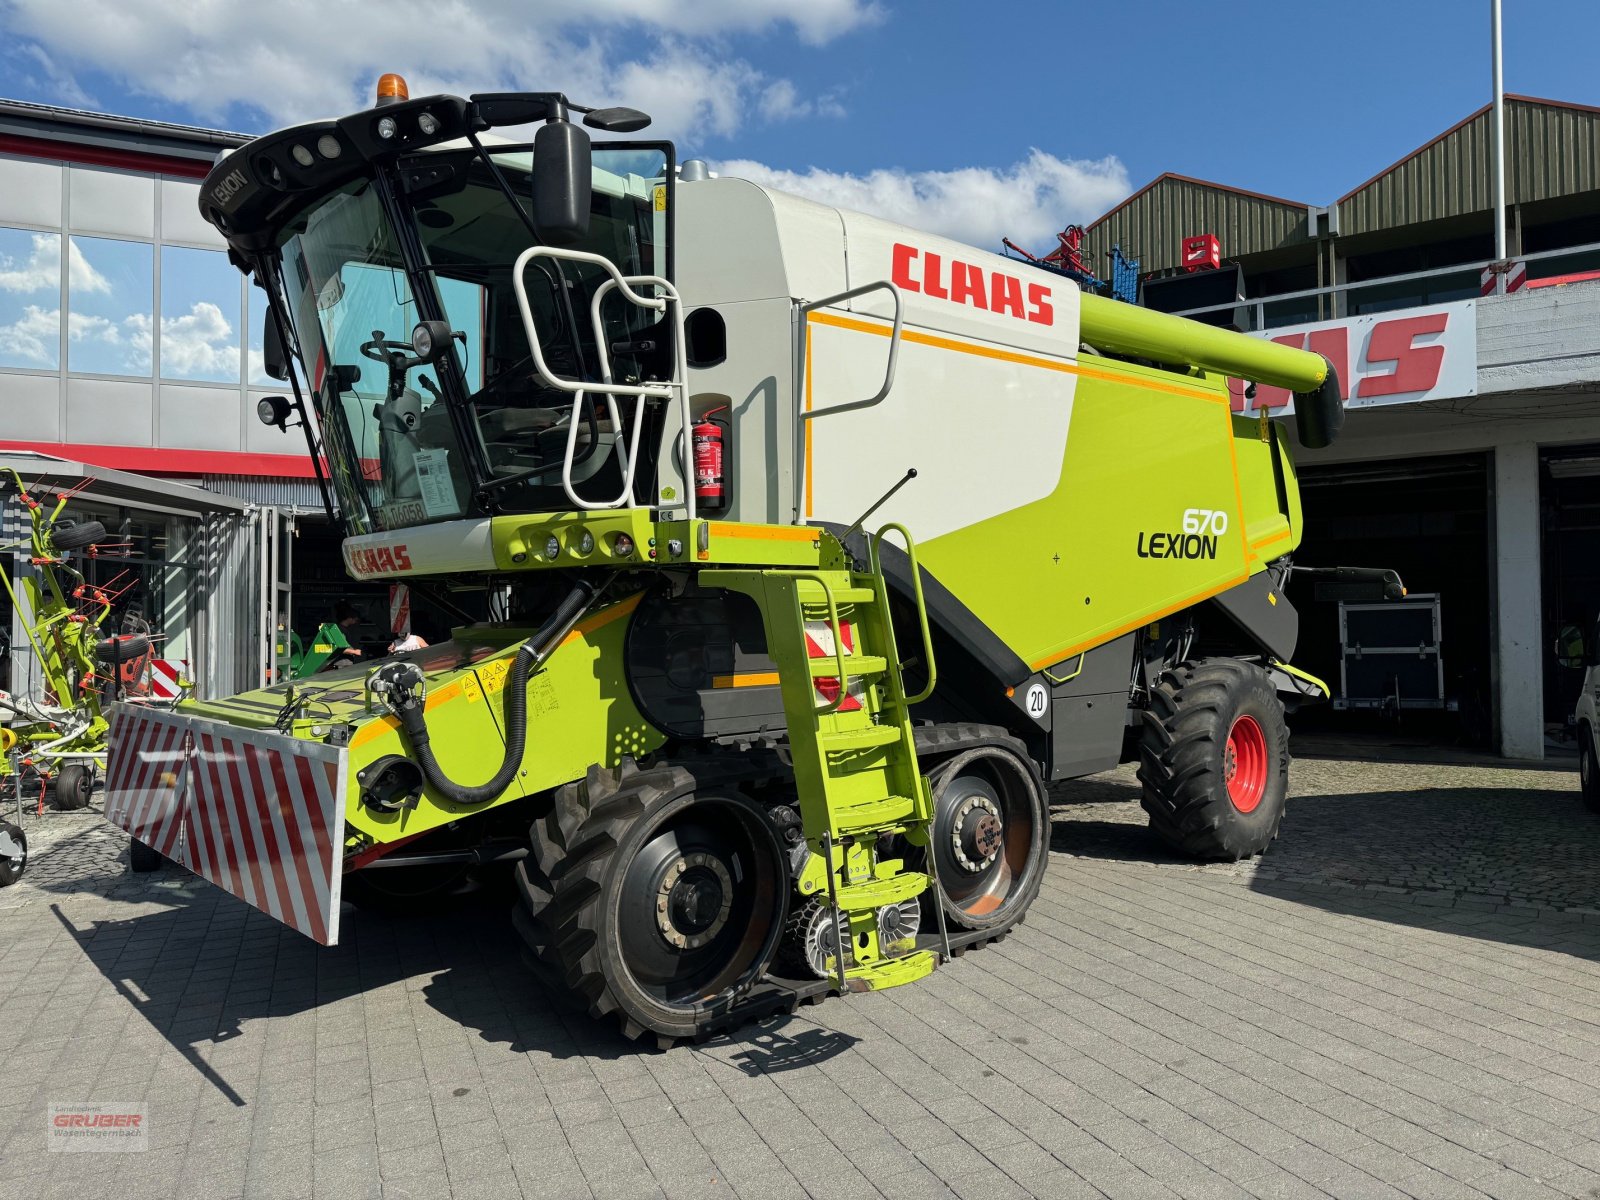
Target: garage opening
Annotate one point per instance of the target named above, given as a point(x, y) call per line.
point(1421, 668)
point(1569, 554)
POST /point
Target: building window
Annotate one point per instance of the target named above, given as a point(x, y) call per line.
point(110, 294)
point(30, 299)
point(200, 329)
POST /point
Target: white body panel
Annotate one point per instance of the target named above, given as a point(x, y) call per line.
point(979, 372)
point(446, 547)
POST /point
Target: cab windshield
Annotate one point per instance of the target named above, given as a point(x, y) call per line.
point(409, 442)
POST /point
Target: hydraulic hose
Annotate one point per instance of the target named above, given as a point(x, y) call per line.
point(530, 655)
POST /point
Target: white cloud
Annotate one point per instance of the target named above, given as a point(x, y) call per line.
point(299, 59)
point(199, 345)
point(1028, 201)
point(33, 339)
point(42, 270)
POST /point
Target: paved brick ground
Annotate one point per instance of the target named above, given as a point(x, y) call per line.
point(1401, 999)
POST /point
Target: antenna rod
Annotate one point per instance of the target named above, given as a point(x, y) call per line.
point(882, 500)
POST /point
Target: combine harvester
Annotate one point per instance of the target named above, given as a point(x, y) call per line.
point(676, 429)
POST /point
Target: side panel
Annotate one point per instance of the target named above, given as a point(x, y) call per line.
point(1110, 548)
point(984, 425)
point(252, 811)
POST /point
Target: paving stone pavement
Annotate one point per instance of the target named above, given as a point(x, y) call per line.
point(1401, 999)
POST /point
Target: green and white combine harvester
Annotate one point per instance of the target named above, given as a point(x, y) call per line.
point(741, 741)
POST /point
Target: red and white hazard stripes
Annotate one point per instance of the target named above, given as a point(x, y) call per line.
point(148, 755)
point(1515, 271)
point(819, 644)
point(164, 676)
point(256, 813)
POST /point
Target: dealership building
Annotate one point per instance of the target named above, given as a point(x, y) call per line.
point(1470, 460)
point(131, 355)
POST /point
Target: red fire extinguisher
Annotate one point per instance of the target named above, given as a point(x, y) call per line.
point(708, 477)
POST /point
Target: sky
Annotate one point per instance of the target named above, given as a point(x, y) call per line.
point(974, 120)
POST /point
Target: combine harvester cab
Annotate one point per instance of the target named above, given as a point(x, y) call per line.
point(740, 738)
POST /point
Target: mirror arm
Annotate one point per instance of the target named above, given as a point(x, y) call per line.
point(500, 179)
point(267, 275)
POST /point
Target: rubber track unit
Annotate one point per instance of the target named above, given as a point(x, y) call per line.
point(1192, 708)
point(558, 882)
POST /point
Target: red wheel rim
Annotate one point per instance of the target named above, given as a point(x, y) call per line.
point(1244, 764)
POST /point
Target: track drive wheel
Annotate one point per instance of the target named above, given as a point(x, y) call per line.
point(1215, 759)
point(655, 897)
point(1588, 769)
point(74, 784)
point(13, 853)
point(990, 837)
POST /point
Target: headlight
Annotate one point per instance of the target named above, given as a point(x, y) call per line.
point(302, 156)
point(585, 544)
point(552, 547)
point(328, 146)
point(422, 340)
point(428, 123)
point(623, 546)
point(387, 128)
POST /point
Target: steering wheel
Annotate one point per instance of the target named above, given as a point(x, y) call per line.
point(397, 356)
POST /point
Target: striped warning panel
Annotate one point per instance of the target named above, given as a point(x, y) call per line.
point(147, 756)
point(819, 644)
point(254, 812)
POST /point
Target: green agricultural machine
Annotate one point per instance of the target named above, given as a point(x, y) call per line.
point(740, 739)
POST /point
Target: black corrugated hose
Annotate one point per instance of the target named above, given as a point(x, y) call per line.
point(529, 655)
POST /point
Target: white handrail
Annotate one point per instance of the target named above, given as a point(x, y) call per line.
point(677, 385)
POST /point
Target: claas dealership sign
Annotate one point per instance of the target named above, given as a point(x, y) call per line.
point(1385, 358)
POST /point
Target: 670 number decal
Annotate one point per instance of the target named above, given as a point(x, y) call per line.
point(1205, 520)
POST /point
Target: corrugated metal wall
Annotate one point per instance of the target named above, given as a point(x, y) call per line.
point(299, 494)
point(1151, 227)
point(231, 605)
point(1550, 151)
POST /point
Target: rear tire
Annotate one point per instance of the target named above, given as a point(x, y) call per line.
point(1215, 759)
point(1588, 769)
point(401, 891)
point(143, 859)
point(13, 864)
point(74, 785)
point(654, 896)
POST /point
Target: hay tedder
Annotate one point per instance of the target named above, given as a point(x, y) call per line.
point(739, 739)
point(53, 737)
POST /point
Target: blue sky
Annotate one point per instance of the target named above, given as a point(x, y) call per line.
point(968, 118)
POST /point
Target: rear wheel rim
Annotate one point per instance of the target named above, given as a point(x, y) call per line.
point(701, 904)
point(985, 829)
point(1244, 763)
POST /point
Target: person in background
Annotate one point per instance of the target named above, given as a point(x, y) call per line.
point(331, 647)
point(406, 642)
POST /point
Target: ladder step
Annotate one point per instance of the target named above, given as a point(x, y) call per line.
point(871, 814)
point(865, 738)
point(827, 667)
point(891, 972)
point(810, 594)
point(877, 893)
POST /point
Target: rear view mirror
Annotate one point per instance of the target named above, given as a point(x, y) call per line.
point(562, 183)
point(274, 360)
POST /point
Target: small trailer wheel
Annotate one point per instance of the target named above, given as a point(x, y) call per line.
point(74, 783)
point(143, 859)
point(13, 853)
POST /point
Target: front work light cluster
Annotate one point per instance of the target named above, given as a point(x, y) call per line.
point(579, 543)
